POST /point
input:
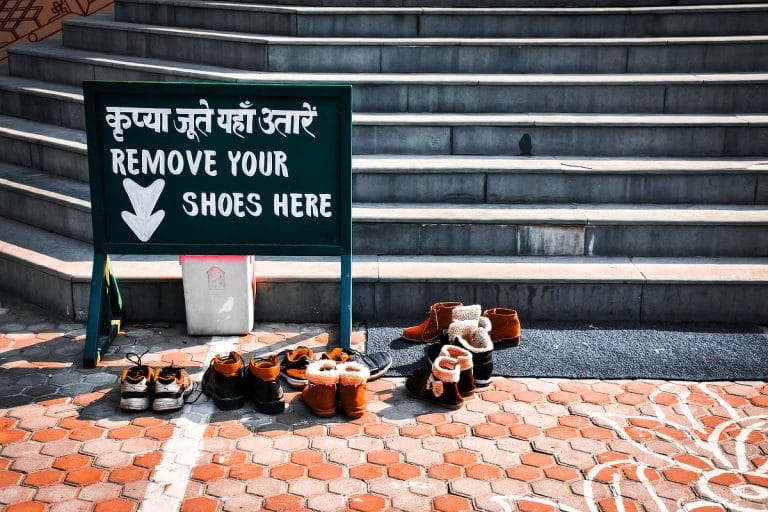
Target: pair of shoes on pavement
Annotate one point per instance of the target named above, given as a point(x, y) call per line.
point(459, 364)
point(295, 363)
point(164, 389)
point(228, 380)
point(333, 385)
point(505, 324)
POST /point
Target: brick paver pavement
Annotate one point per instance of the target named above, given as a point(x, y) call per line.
point(522, 444)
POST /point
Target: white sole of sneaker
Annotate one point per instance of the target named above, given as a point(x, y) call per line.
point(378, 374)
point(168, 404)
point(134, 404)
point(295, 383)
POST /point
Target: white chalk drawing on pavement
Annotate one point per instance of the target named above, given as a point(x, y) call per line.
point(724, 457)
point(142, 221)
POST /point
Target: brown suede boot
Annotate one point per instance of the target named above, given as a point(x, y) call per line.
point(322, 383)
point(505, 326)
point(438, 384)
point(439, 318)
point(352, 379)
point(466, 376)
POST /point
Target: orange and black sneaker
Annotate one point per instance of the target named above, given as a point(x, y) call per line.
point(222, 381)
point(172, 385)
point(294, 366)
point(136, 385)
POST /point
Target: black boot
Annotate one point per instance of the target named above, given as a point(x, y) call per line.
point(263, 386)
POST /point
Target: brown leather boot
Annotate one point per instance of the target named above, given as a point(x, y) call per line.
point(505, 326)
point(438, 384)
point(322, 383)
point(352, 379)
point(439, 318)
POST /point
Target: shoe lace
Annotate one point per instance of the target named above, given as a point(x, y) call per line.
point(137, 367)
point(200, 385)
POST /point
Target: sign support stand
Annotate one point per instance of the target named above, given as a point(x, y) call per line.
point(345, 306)
point(105, 310)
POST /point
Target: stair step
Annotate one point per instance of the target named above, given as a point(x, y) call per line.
point(390, 92)
point(63, 152)
point(461, 179)
point(61, 205)
point(44, 147)
point(561, 134)
point(492, 3)
point(50, 202)
point(563, 288)
point(420, 55)
point(251, 17)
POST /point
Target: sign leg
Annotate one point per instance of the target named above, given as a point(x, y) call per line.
point(105, 310)
point(345, 322)
point(98, 289)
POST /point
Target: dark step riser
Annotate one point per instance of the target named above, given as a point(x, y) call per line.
point(318, 302)
point(40, 157)
point(650, 141)
point(660, 99)
point(454, 25)
point(506, 188)
point(632, 240)
point(64, 220)
point(718, 57)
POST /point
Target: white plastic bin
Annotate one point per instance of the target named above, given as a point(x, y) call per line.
point(218, 294)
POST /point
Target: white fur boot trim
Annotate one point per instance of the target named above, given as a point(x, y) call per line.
point(461, 329)
point(477, 342)
point(467, 312)
point(353, 374)
point(485, 323)
point(323, 373)
point(446, 369)
point(464, 357)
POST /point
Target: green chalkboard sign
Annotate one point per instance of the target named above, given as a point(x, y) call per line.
point(210, 168)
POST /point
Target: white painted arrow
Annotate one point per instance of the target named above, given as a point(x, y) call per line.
point(143, 222)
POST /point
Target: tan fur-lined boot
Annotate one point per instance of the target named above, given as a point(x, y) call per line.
point(352, 379)
point(322, 384)
point(466, 375)
point(438, 384)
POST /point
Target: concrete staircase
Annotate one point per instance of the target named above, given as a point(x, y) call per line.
point(588, 162)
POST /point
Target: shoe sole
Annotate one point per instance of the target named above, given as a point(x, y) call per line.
point(430, 340)
point(295, 383)
point(270, 407)
point(453, 407)
point(380, 373)
point(512, 342)
point(170, 403)
point(134, 404)
point(482, 383)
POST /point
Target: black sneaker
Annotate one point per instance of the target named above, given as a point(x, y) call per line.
point(222, 382)
point(377, 363)
point(294, 366)
point(262, 385)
